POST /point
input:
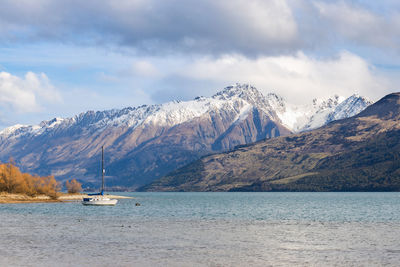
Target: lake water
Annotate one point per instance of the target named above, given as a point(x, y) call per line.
point(206, 229)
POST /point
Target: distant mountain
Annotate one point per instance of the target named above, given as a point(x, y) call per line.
point(319, 113)
point(361, 153)
point(147, 142)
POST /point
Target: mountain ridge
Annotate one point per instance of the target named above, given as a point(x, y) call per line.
point(145, 142)
point(360, 153)
point(244, 91)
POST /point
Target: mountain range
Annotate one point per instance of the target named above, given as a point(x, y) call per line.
point(360, 153)
point(147, 142)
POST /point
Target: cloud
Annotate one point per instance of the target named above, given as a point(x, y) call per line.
point(298, 78)
point(188, 26)
point(131, 52)
point(249, 27)
point(144, 68)
point(178, 86)
point(26, 94)
point(360, 24)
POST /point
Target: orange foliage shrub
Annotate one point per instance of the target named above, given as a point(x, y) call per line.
point(12, 180)
point(73, 187)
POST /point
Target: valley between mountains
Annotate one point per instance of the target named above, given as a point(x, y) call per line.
point(146, 143)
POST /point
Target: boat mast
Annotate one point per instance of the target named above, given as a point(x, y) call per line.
point(102, 169)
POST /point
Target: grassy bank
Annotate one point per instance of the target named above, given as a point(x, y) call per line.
point(23, 198)
point(9, 198)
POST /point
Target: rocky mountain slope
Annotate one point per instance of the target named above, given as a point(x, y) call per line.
point(141, 143)
point(361, 153)
point(147, 142)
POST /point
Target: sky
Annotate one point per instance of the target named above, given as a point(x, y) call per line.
point(61, 58)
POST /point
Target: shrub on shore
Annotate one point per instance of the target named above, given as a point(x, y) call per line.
point(12, 180)
point(73, 186)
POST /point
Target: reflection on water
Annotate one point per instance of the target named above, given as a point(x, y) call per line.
point(206, 229)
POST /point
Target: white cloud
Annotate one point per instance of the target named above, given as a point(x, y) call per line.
point(26, 94)
point(298, 78)
point(361, 25)
point(144, 68)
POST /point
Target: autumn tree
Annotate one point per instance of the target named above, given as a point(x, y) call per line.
point(48, 186)
point(73, 186)
point(12, 180)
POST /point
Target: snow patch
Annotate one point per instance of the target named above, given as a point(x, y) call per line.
point(237, 100)
point(10, 130)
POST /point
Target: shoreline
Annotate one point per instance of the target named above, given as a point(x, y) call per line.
point(10, 198)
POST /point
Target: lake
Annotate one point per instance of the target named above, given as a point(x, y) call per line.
point(206, 229)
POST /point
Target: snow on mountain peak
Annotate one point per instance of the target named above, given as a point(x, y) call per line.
point(174, 112)
point(11, 130)
point(246, 92)
point(239, 90)
point(323, 111)
point(237, 99)
point(349, 107)
point(51, 123)
point(276, 102)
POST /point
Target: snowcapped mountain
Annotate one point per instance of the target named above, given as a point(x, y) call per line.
point(318, 113)
point(238, 99)
point(146, 142)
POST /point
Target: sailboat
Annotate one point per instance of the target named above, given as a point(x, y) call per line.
point(99, 199)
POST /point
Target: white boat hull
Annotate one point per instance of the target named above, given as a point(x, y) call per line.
point(100, 199)
point(99, 202)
